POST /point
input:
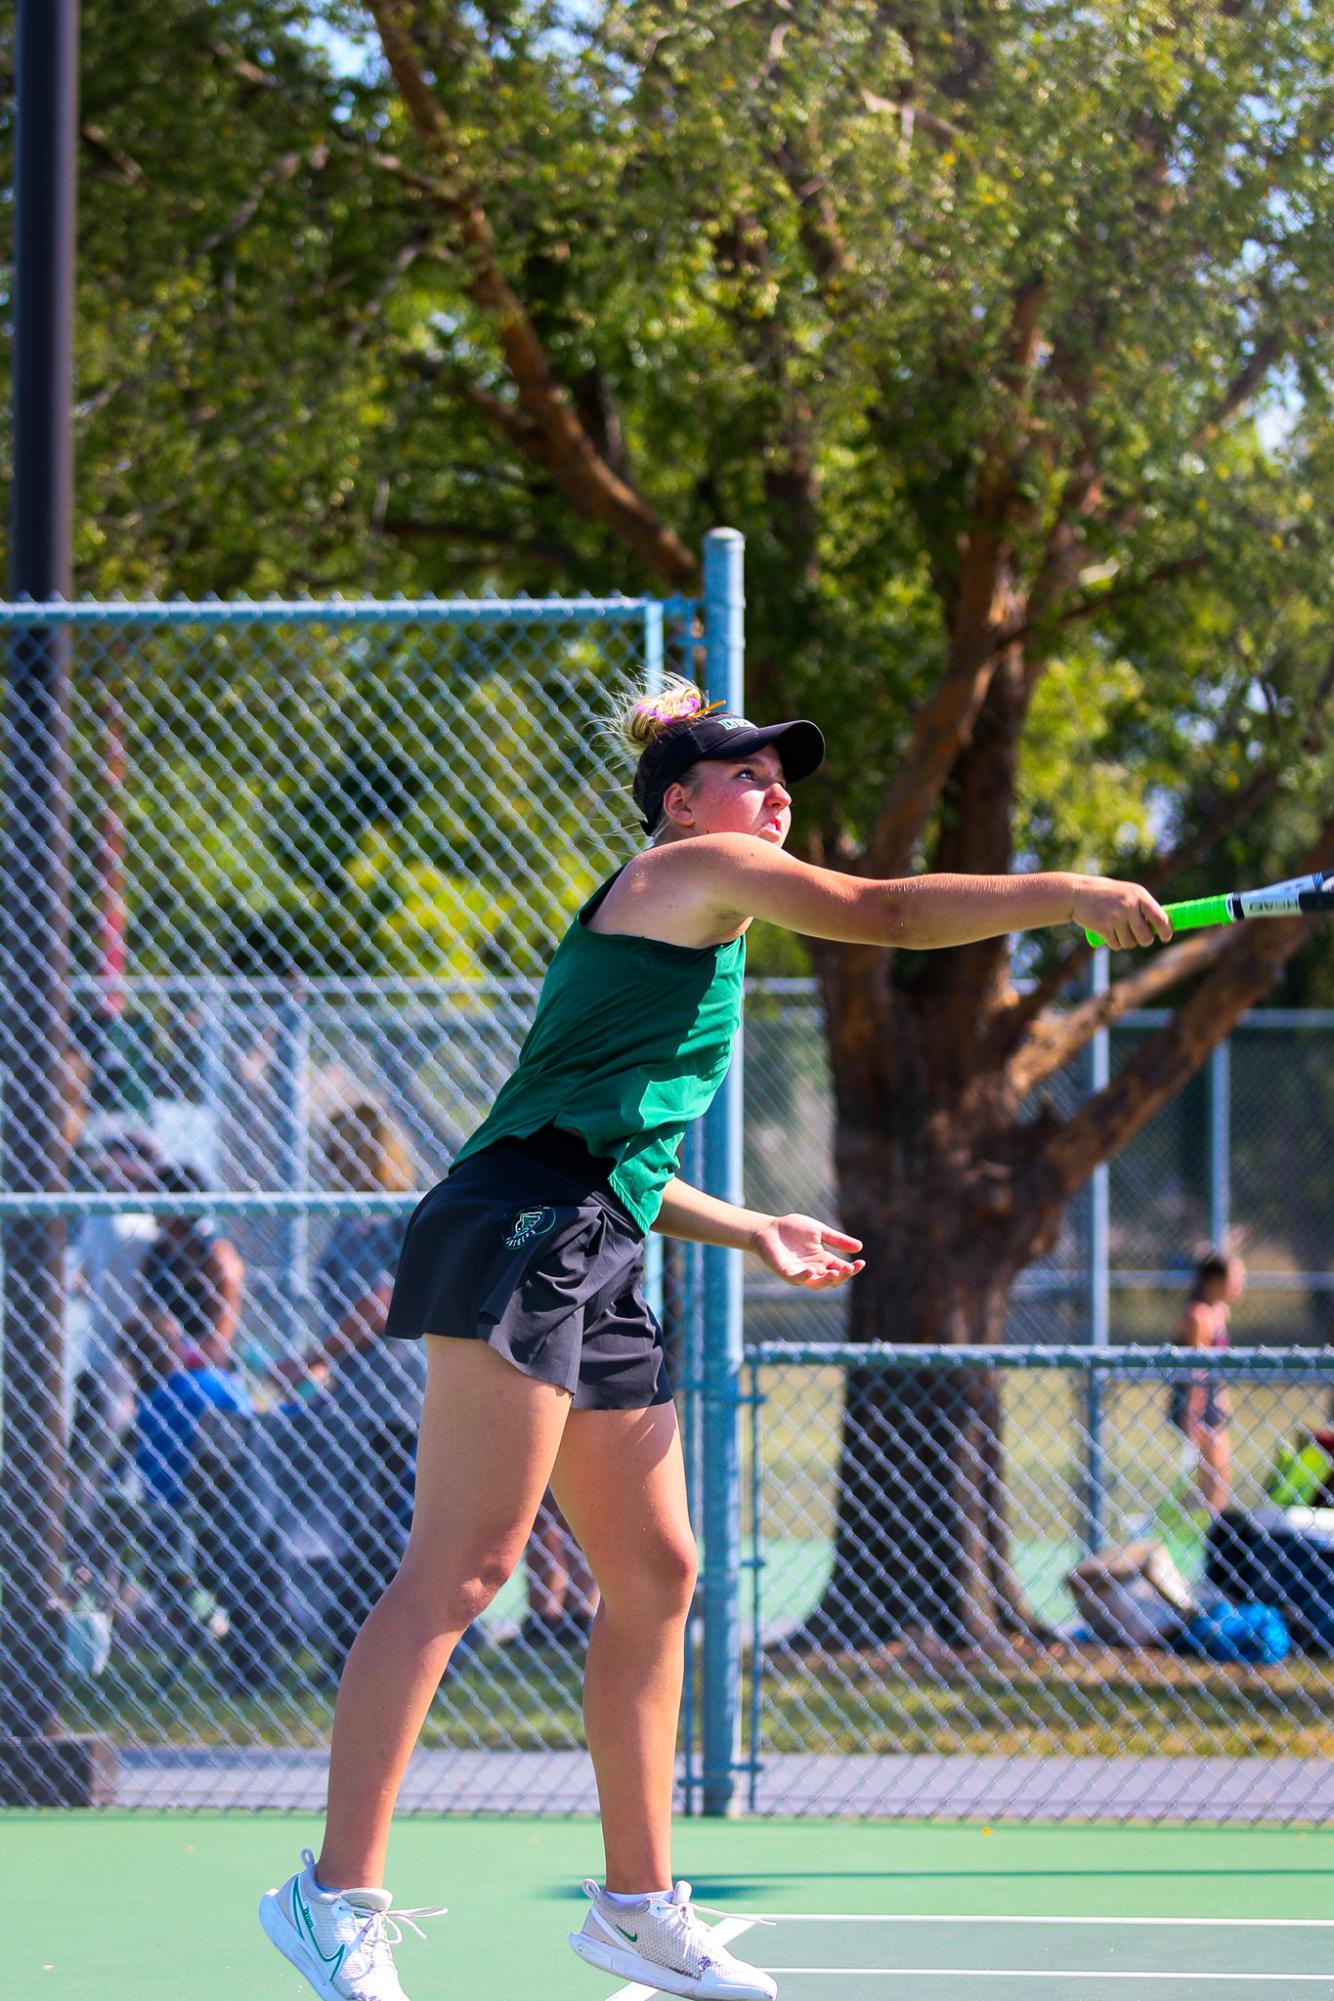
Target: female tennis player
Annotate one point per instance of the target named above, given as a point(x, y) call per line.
point(523, 1273)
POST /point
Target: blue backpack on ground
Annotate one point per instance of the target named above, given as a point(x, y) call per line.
point(1254, 1634)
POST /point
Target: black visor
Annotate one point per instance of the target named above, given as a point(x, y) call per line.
point(720, 739)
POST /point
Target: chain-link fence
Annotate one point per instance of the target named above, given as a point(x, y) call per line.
point(1246, 1150)
point(986, 1583)
point(319, 857)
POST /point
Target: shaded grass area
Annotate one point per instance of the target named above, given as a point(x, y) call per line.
point(1077, 1706)
point(1066, 1701)
point(1045, 1434)
point(492, 1701)
point(794, 1572)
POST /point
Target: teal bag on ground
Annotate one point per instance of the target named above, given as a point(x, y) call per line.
point(1254, 1634)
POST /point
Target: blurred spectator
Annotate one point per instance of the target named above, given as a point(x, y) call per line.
point(562, 1597)
point(106, 1257)
point(189, 1292)
point(374, 1386)
point(1201, 1408)
point(169, 1419)
point(169, 1425)
point(177, 1344)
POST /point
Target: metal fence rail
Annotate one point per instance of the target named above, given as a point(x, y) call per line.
point(1136, 1676)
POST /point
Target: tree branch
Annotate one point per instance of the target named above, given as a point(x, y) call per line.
point(1232, 811)
point(127, 167)
point(568, 452)
point(283, 169)
point(822, 239)
point(553, 435)
point(1250, 960)
point(1056, 1038)
point(521, 432)
point(912, 114)
point(945, 721)
point(1241, 388)
point(1180, 566)
point(375, 305)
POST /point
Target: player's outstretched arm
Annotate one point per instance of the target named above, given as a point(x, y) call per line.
point(799, 1249)
point(742, 876)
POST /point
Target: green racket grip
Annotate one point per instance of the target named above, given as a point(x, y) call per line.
point(1195, 915)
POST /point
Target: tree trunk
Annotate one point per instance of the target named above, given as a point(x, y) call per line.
point(922, 1541)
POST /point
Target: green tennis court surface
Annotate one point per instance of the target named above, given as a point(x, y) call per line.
point(162, 1908)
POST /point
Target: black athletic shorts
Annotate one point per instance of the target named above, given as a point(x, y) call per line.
point(524, 1246)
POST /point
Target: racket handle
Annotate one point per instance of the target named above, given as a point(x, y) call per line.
point(1191, 916)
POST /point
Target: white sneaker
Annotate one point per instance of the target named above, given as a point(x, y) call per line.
point(340, 1939)
point(661, 1943)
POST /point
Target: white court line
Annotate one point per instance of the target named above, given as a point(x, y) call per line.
point(1015, 1973)
point(732, 1928)
point(1123, 1924)
point(729, 1929)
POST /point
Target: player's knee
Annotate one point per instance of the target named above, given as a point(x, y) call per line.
point(660, 1582)
point(471, 1595)
point(449, 1598)
point(673, 1572)
point(685, 1567)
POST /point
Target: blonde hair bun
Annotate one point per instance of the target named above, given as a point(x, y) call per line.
point(639, 718)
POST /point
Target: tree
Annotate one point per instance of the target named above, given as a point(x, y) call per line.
point(966, 312)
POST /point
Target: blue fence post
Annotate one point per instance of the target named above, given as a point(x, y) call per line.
point(1220, 1144)
point(724, 603)
point(213, 1071)
point(1099, 1327)
point(692, 1365)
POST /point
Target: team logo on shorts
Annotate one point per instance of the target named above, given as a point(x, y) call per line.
point(529, 1223)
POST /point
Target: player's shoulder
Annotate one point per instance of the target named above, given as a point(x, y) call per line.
point(706, 853)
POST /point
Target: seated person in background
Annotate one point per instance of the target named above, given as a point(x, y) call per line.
point(1201, 1408)
point(166, 1438)
point(168, 1423)
point(106, 1254)
point(373, 1387)
point(189, 1291)
point(178, 1344)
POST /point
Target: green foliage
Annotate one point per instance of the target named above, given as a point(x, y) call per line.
point(776, 258)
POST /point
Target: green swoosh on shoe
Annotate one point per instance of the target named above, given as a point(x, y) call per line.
point(334, 1959)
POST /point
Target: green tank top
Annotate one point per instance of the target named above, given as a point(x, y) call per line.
point(630, 1041)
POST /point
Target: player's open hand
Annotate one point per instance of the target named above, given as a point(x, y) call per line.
point(1121, 913)
point(805, 1252)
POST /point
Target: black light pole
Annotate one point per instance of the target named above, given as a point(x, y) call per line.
point(36, 1765)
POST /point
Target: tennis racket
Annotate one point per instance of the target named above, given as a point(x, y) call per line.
point(1303, 895)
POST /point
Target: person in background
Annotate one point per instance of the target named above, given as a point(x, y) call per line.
point(562, 1597)
point(374, 1386)
point(106, 1256)
point(1201, 1408)
point(189, 1291)
point(178, 1346)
